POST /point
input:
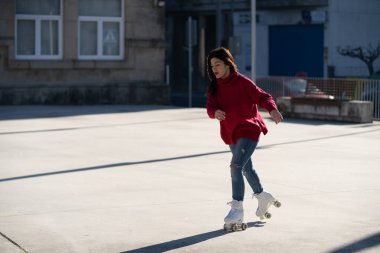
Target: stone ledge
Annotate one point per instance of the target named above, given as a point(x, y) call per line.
point(78, 94)
point(310, 108)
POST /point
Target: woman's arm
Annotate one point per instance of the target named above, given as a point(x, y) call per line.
point(212, 108)
point(211, 105)
point(276, 116)
point(260, 97)
point(265, 101)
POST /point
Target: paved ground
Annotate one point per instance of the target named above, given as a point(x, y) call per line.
point(156, 179)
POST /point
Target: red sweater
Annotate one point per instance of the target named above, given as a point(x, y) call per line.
point(239, 97)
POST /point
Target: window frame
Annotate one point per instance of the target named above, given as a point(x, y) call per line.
point(37, 40)
point(100, 20)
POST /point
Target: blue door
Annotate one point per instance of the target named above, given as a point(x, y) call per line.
point(296, 49)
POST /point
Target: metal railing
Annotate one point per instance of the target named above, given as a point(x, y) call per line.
point(330, 88)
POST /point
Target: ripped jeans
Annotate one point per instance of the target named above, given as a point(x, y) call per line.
point(241, 164)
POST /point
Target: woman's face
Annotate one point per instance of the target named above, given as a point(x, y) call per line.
point(219, 68)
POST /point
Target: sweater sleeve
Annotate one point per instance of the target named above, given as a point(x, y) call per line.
point(211, 105)
point(260, 97)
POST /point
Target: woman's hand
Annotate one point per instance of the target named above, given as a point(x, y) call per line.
point(220, 115)
point(276, 116)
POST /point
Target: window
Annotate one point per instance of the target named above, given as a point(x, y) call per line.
point(38, 29)
point(100, 29)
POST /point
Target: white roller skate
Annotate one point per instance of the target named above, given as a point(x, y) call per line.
point(234, 219)
point(265, 201)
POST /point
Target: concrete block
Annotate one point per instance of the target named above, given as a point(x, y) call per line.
point(303, 109)
point(327, 110)
point(359, 111)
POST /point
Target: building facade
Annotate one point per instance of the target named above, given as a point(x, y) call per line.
point(82, 52)
point(294, 37)
point(352, 23)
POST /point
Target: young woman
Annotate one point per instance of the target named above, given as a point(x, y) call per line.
point(233, 99)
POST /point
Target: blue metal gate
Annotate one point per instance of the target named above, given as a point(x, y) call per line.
point(296, 49)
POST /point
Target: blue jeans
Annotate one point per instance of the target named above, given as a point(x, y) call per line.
point(241, 164)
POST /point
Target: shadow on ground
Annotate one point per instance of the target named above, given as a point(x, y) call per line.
point(113, 165)
point(40, 111)
point(187, 241)
point(360, 245)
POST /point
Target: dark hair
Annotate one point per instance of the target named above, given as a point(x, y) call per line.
point(224, 55)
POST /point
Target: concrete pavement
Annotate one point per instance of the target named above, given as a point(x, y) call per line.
point(156, 179)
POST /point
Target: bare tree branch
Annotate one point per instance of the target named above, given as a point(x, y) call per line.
point(368, 55)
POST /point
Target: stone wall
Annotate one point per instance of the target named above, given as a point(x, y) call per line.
point(137, 78)
point(80, 94)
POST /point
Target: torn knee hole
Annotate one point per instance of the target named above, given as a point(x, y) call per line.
point(235, 166)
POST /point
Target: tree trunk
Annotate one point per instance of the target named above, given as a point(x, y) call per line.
point(370, 68)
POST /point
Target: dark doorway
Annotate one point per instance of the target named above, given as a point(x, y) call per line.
point(204, 36)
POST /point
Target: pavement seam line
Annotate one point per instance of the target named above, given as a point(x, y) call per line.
point(14, 243)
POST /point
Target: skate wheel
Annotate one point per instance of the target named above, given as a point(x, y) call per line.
point(235, 227)
point(277, 204)
point(225, 228)
point(268, 215)
point(244, 226)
